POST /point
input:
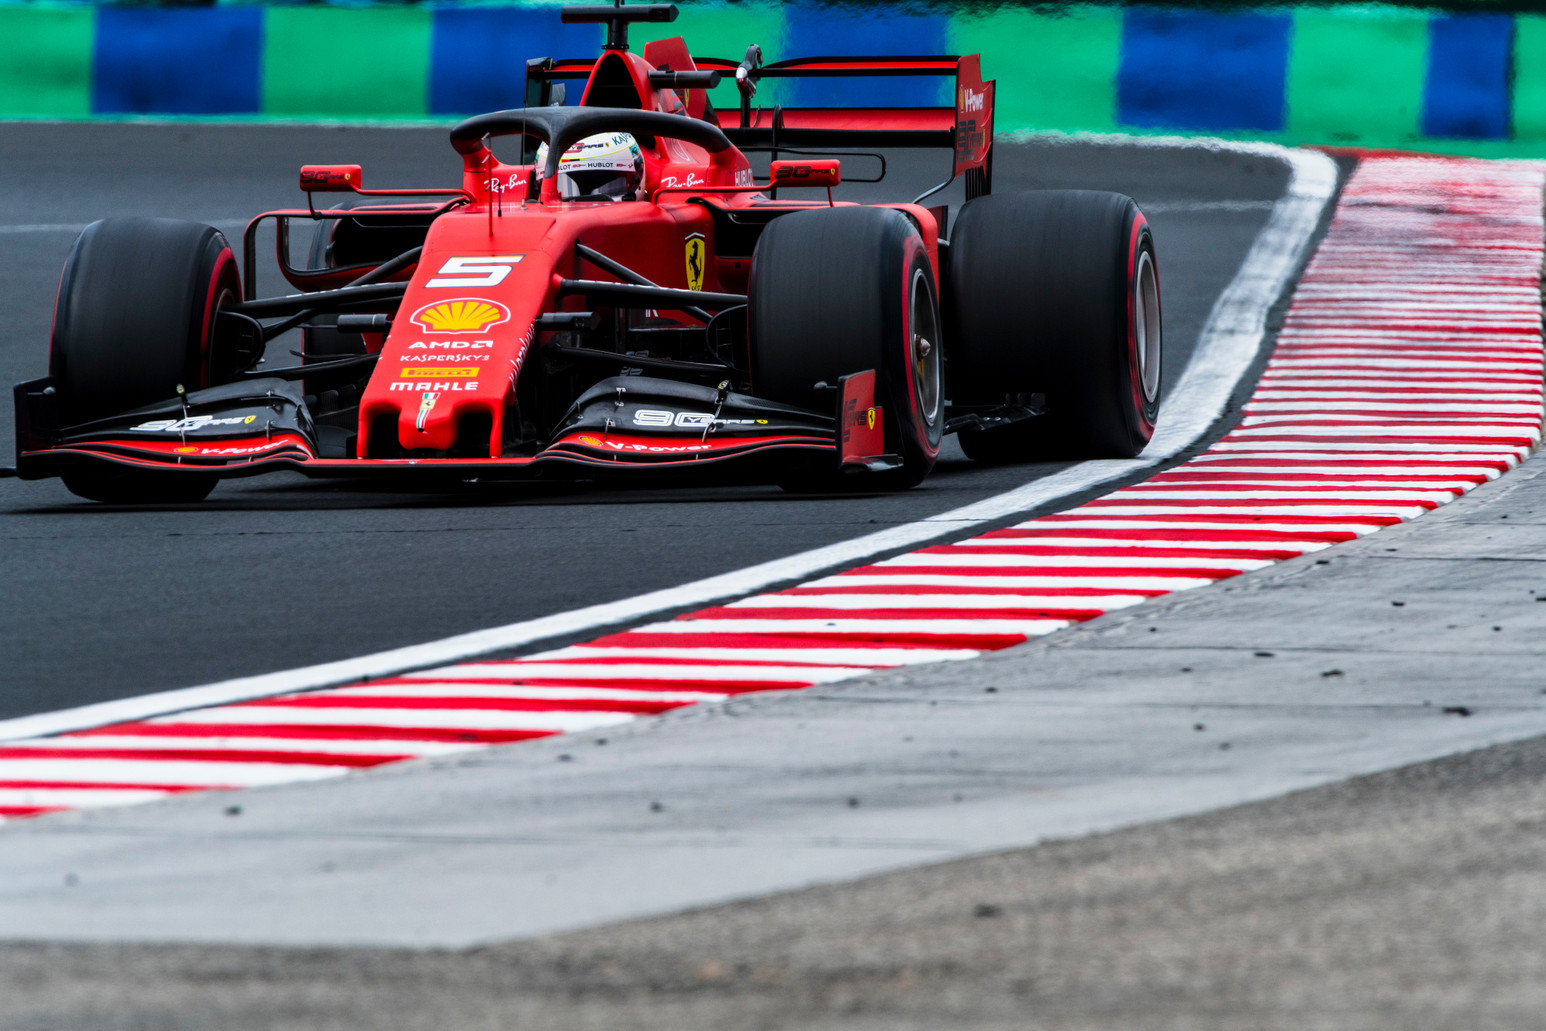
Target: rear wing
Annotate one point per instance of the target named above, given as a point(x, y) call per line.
point(966, 128)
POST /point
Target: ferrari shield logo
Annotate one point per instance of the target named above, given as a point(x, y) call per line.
point(869, 419)
point(695, 257)
point(426, 405)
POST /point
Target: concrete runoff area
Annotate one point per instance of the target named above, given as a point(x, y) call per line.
point(1406, 899)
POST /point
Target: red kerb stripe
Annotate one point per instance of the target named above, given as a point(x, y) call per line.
point(87, 785)
point(221, 755)
point(838, 615)
point(814, 639)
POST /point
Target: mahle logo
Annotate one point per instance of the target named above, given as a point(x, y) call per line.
point(461, 315)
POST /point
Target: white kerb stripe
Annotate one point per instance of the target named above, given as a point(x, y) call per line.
point(865, 626)
point(950, 601)
point(1142, 544)
point(78, 798)
point(1029, 584)
point(1402, 512)
point(904, 581)
point(636, 671)
point(872, 657)
point(1249, 493)
point(1011, 562)
point(426, 719)
point(191, 772)
point(1272, 525)
point(449, 687)
point(154, 742)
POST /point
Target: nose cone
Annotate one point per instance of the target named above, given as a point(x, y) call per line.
point(433, 401)
point(423, 431)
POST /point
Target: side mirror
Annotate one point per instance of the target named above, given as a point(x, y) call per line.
point(330, 178)
point(826, 173)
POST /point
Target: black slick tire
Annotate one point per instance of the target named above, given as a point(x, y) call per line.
point(134, 320)
point(1056, 292)
point(835, 291)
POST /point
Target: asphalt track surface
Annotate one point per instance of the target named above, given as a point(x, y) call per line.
point(278, 572)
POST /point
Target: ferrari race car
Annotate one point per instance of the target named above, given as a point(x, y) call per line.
point(621, 296)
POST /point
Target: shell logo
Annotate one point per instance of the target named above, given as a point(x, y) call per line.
point(590, 442)
point(186, 450)
point(460, 315)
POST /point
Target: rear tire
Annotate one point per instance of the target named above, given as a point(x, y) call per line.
point(1056, 292)
point(835, 291)
point(134, 320)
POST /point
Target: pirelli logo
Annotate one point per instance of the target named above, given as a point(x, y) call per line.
point(467, 373)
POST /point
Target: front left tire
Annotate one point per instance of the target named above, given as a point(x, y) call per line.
point(135, 319)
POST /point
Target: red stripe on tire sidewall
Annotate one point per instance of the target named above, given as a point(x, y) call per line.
point(225, 258)
point(914, 246)
point(1134, 366)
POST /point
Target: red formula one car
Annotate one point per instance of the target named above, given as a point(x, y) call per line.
point(622, 297)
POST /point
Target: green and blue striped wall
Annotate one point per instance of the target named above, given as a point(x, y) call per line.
point(1378, 74)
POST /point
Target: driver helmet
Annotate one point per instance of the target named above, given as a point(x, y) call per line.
point(606, 166)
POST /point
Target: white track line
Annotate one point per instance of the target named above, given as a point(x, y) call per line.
point(1228, 344)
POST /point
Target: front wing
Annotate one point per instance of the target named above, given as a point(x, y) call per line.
point(627, 425)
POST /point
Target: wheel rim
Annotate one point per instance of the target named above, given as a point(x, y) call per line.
point(923, 348)
point(210, 358)
point(1146, 326)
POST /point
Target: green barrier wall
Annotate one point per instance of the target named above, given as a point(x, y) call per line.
point(1467, 79)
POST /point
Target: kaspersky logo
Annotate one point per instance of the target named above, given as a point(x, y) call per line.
point(460, 315)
